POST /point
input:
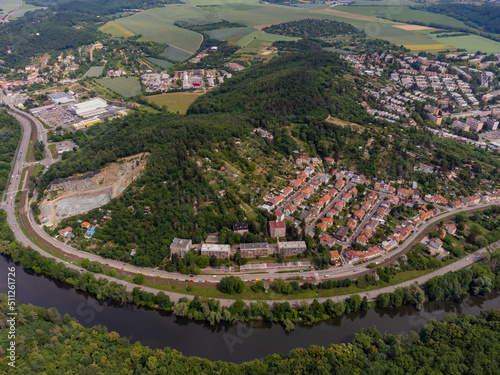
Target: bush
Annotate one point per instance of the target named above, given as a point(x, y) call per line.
point(139, 278)
point(231, 285)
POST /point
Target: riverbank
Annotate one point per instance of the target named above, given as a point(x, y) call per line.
point(62, 345)
point(478, 280)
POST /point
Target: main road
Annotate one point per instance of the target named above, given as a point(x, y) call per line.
point(34, 129)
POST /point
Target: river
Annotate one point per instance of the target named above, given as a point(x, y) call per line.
point(233, 343)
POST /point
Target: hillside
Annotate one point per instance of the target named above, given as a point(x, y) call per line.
point(207, 171)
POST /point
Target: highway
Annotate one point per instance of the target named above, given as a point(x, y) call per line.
point(32, 126)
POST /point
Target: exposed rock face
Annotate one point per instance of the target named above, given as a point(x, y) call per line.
point(79, 194)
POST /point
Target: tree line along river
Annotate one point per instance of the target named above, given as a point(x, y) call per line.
point(227, 342)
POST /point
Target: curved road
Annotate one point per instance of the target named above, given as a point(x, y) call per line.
point(34, 128)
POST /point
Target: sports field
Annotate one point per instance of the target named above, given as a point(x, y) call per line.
point(125, 86)
point(94, 71)
point(176, 101)
point(157, 25)
point(116, 29)
point(471, 43)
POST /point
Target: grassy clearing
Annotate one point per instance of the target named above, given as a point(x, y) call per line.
point(175, 102)
point(116, 29)
point(23, 175)
point(471, 43)
point(248, 38)
point(158, 25)
point(266, 37)
point(8, 6)
point(125, 86)
point(27, 156)
point(94, 71)
point(38, 170)
point(52, 149)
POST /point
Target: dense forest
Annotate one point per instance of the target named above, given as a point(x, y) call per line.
point(10, 133)
point(312, 28)
point(50, 343)
point(483, 17)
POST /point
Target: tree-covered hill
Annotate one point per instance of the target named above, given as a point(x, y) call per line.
point(303, 87)
point(49, 343)
point(312, 28)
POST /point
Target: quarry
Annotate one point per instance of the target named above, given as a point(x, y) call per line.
point(82, 193)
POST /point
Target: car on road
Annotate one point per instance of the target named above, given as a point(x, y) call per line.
point(66, 263)
point(139, 287)
point(478, 256)
point(191, 275)
point(107, 264)
point(467, 259)
point(214, 276)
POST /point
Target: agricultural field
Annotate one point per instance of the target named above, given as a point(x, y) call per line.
point(402, 14)
point(471, 43)
point(116, 29)
point(94, 71)
point(224, 34)
point(255, 15)
point(221, 2)
point(125, 86)
point(8, 6)
point(157, 25)
point(176, 101)
point(174, 53)
point(161, 63)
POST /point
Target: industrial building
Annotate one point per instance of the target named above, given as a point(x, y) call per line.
point(86, 123)
point(90, 108)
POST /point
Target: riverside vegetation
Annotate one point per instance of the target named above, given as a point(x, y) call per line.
point(48, 342)
point(480, 279)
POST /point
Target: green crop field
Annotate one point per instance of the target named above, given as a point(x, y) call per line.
point(248, 38)
point(176, 101)
point(94, 71)
point(125, 86)
point(176, 54)
point(266, 37)
point(157, 25)
point(471, 43)
point(8, 6)
point(161, 63)
point(116, 29)
point(224, 34)
point(219, 2)
point(402, 14)
point(254, 15)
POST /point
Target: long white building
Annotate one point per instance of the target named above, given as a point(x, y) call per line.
point(90, 108)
